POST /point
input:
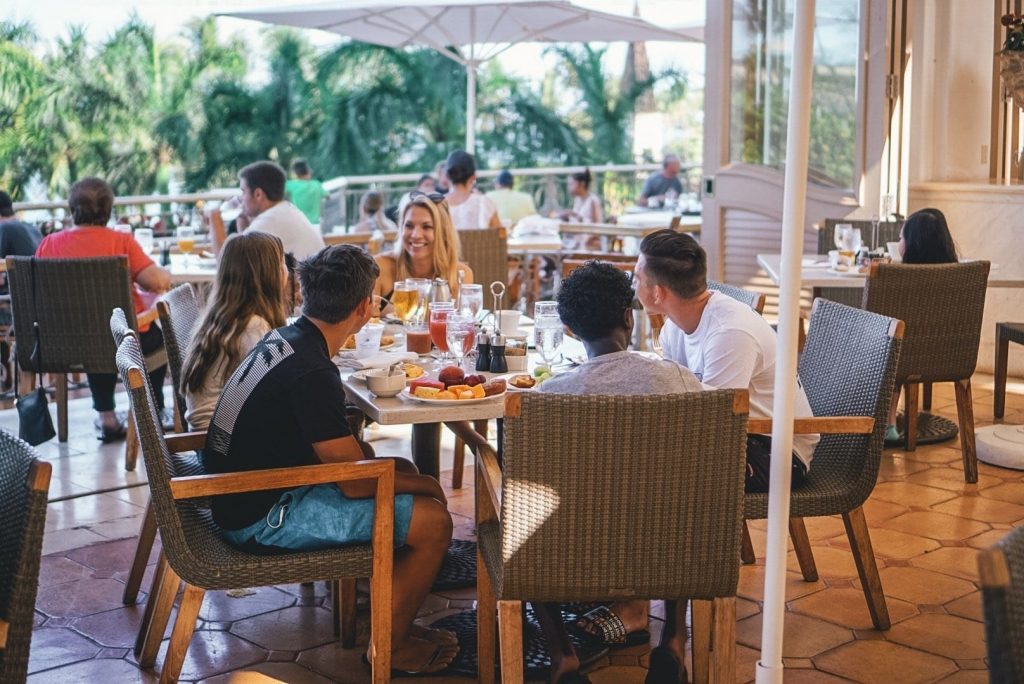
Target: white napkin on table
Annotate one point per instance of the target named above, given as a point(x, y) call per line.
point(379, 360)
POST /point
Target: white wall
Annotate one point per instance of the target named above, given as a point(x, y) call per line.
point(953, 53)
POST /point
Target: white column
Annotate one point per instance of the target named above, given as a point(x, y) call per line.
point(471, 107)
point(769, 667)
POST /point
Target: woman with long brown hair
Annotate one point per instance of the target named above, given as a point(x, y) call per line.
point(427, 246)
point(247, 302)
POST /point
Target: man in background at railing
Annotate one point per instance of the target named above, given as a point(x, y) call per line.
point(305, 192)
point(658, 185)
point(512, 204)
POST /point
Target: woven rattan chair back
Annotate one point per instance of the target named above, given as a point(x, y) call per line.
point(486, 252)
point(942, 307)
point(585, 478)
point(755, 300)
point(847, 368)
point(179, 313)
point(1001, 569)
point(71, 300)
point(24, 482)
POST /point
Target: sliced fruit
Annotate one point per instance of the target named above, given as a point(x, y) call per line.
point(467, 394)
point(457, 389)
point(426, 392)
point(425, 383)
point(445, 394)
point(478, 391)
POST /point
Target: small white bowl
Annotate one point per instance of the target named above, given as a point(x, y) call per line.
point(383, 385)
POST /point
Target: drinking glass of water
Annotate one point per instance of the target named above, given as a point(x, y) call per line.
point(460, 330)
point(547, 336)
point(471, 299)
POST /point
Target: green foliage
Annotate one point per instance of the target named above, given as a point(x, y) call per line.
point(130, 109)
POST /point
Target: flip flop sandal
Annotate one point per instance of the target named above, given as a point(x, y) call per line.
point(444, 637)
point(397, 673)
point(605, 626)
point(665, 668)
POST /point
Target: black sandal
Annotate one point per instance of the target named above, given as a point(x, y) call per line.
point(665, 668)
point(607, 628)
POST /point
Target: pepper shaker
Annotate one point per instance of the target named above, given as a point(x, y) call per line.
point(498, 362)
point(483, 350)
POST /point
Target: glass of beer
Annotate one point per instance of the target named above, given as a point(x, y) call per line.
point(422, 285)
point(186, 241)
point(406, 300)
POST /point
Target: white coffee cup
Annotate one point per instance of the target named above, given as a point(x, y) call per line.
point(894, 251)
point(508, 321)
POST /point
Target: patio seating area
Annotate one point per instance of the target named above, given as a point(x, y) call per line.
point(926, 526)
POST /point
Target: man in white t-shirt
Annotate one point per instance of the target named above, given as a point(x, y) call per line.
point(724, 342)
point(263, 203)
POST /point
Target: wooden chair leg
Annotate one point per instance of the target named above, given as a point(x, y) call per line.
point(147, 533)
point(1002, 357)
point(965, 413)
point(343, 602)
point(723, 646)
point(380, 623)
point(181, 637)
point(910, 411)
point(62, 407)
point(747, 547)
point(510, 632)
point(179, 412)
point(131, 444)
point(700, 640)
point(459, 463)
point(162, 599)
point(486, 622)
point(151, 601)
point(926, 396)
point(802, 546)
point(864, 557)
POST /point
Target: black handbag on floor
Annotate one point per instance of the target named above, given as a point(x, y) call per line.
point(34, 423)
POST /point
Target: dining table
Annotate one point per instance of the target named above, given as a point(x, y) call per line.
point(815, 272)
point(192, 269)
point(426, 418)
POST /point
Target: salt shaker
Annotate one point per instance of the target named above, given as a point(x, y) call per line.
point(165, 253)
point(498, 362)
point(483, 351)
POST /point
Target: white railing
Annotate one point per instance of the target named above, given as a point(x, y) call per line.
point(618, 184)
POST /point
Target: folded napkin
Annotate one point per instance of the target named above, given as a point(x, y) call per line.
point(379, 360)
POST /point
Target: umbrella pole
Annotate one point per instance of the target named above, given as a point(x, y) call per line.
point(769, 667)
point(471, 106)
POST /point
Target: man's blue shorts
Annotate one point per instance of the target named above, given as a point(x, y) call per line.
point(319, 517)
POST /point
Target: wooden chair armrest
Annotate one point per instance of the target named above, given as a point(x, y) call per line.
point(486, 464)
point(4, 628)
point(833, 425)
point(196, 486)
point(185, 441)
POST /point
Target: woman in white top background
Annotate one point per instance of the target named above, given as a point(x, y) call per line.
point(468, 209)
point(247, 302)
point(586, 206)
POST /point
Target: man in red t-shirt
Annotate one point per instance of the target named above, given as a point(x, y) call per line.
point(91, 201)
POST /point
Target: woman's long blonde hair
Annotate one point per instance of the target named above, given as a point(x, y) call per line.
point(250, 282)
point(446, 240)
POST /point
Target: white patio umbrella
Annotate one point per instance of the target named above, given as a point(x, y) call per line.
point(469, 32)
point(769, 667)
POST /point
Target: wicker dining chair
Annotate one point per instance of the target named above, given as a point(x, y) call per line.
point(73, 320)
point(848, 368)
point(486, 252)
point(755, 300)
point(558, 537)
point(942, 306)
point(1001, 571)
point(179, 312)
point(1005, 334)
point(24, 486)
point(194, 552)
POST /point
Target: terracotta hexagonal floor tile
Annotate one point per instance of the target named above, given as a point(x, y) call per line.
point(950, 479)
point(936, 456)
point(804, 637)
point(116, 628)
point(906, 493)
point(897, 545)
point(941, 526)
point(877, 510)
point(1013, 492)
point(812, 677)
point(278, 672)
point(967, 677)
point(99, 670)
point(830, 561)
point(922, 586)
point(290, 629)
point(84, 597)
point(58, 569)
point(895, 467)
point(53, 647)
point(211, 653)
point(751, 584)
point(331, 660)
point(982, 508)
point(847, 607)
point(106, 558)
point(961, 561)
point(986, 539)
point(219, 606)
point(617, 674)
point(876, 661)
point(824, 527)
point(944, 635)
point(746, 663)
point(968, 606)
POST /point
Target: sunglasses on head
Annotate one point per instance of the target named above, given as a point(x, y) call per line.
point(434, 197)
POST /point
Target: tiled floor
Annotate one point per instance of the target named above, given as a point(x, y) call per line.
point(926, 526)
